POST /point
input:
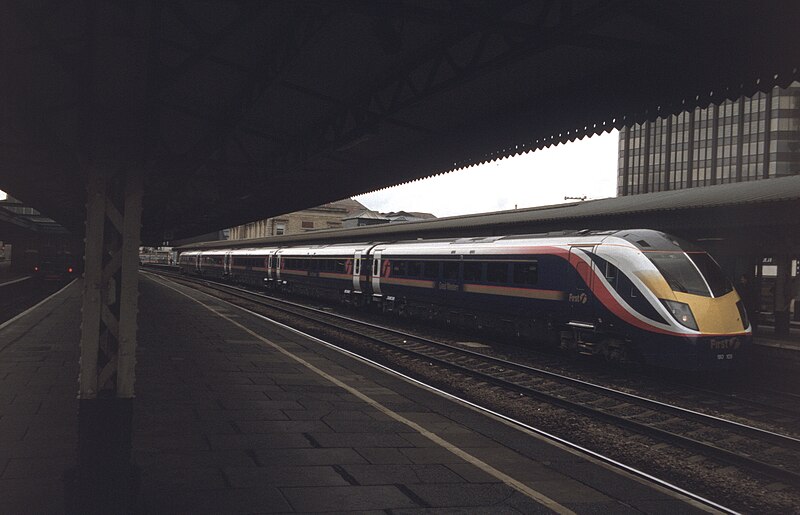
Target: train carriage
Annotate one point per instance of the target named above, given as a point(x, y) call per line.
point(248, 266)
point(212, 264)
point(337, 272)
point(465, 283)
point(189, 262)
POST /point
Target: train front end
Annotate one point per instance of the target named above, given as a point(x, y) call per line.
point(709, 327)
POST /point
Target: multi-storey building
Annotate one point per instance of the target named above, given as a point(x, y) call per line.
point(741, 140)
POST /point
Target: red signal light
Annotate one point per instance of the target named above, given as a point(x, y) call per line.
point(69, 270)
point(36, 269)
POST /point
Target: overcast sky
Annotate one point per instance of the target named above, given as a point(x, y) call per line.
point(586, 167)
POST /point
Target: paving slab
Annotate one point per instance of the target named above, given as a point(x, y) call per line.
point(235, 415)
point(303, 421)
point(38, 405)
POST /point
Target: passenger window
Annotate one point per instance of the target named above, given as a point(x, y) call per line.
point(414, 269)
point(497, 272)
point(430, 270)
point(526, 273)
point(472, 271)
point(450, 271)
point(398, 268)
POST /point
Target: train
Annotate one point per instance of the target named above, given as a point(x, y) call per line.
point(156, 257)
point(621, 295)
point(56, 266)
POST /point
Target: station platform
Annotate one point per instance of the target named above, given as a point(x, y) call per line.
point(765, 336)
point(236, 415)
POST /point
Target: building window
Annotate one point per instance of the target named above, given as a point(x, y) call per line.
point(280, 228)
point(307, 225)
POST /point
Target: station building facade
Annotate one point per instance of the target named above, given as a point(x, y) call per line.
point(326, 216)
point(746, 139)
point(345, 213)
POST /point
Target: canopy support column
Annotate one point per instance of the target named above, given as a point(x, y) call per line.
point(105, 480)
point(783, 289)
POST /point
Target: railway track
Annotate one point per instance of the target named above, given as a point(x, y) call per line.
point(755, 451)
point(18, 295)
point(749, 404)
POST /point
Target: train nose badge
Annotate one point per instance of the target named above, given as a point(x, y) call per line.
point(725, 343)
point(580, 298)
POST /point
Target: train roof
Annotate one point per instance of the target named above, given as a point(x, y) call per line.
point(645, 240)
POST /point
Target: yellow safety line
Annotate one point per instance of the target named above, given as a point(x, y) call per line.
point(505, 478)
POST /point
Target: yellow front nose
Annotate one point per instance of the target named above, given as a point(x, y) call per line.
point(714, 315)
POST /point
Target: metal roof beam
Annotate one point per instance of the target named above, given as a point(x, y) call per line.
point(336, 132)
point(340, 103)
point(35, 20)
point(208, 43)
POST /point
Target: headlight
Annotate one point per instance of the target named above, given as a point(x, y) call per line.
point(681, 312)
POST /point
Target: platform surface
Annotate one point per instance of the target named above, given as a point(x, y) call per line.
point(234, 415)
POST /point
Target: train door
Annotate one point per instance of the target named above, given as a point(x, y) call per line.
point(226, 264)
point(269, 264)
point(451, 275)
point(357, 271)
point(450, 279)
point(580, 293)
point(377, 265)
point(278, 267)
point(198, 268)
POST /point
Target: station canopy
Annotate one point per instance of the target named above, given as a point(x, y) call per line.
point(238, 110)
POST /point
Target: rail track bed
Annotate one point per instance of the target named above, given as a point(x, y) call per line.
point(17, 296)
point(740, 452)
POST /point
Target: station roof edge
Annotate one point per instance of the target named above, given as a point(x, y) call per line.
point(735, 194)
